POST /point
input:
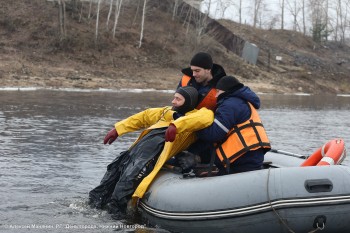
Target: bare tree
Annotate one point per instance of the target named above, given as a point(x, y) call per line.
point(188, 12)
point(206, 6)
point(294, 9)
point(256, 11)
point(209, 8)
point(143, 22)
point(274, 20)
point(81, 12)
point(118, 6)
point(176, 5)
point(240, 11)
point(336, 22)
point(137, 12)
point(318, 20)
point(342, 10)
point(90, 9)
point(97, 18)
point(304, 16)
point(282, 13)
point(109, 12)
point(62, 18)
point(326, 9)
point(222, 6)
point(189, 20)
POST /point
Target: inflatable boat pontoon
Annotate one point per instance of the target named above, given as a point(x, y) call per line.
point(283, 197)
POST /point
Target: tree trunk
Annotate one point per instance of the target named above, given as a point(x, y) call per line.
point(304, 21)
point(326, 19)
point(61, 18)
point(90, 6)
point(257, 8)
point(118, 6)
point(240, 11)
point(296, 12)
point(137, 12)
point(109, 13)
point(282, 15)
point(97, 19)
point(176, 5)
point(189, 21)
point(143, 22)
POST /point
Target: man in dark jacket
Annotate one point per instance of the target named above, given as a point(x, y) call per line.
point(203, 75)
point(239, 136)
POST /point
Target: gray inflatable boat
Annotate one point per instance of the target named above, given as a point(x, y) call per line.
point(283, 197)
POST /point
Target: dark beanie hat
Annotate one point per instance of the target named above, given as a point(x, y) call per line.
point(191, 98)
point(202, 60)
point(228, 83)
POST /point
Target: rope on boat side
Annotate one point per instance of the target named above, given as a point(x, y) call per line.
point(277, 214)
point(273, 208)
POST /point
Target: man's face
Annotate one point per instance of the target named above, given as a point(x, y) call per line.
point(202, 76)
point(178, 100)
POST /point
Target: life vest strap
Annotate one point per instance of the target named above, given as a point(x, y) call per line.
point(251, 124)
point(246, 149)
point(256, 132)
point(227, 159)
point(212, 160)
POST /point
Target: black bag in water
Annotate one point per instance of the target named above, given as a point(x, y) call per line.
point(127, 170)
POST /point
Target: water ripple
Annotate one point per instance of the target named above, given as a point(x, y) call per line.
point(52, 152)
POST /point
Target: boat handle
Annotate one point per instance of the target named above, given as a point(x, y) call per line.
point(318, 185)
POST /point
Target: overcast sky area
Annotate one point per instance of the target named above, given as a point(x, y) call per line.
point(270, 13)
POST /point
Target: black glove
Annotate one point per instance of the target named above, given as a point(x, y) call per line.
point(188, 160)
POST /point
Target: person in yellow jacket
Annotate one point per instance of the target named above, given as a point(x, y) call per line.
point(168, 131)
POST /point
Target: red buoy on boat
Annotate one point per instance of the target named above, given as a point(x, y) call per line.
point(331, 153)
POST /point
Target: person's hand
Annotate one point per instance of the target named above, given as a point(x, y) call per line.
point(111, 136)
point(188, 160)
point(170, 133)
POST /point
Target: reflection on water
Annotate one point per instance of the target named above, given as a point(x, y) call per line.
point(307, 102)
point(52, 153)
point(301, 124)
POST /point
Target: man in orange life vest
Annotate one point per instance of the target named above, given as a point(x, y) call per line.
point(203, 75)
point(236, 141)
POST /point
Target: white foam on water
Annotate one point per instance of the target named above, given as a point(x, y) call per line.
point(130, 90)
point(19, 88)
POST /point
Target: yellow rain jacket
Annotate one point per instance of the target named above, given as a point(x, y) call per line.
point(154, 118)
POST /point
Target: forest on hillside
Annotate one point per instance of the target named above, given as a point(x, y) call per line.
point(97, 43)
point(323, 20)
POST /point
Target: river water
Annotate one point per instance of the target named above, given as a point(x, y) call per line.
point(52, 153)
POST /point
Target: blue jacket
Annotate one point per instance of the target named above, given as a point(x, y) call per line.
point(232, 109)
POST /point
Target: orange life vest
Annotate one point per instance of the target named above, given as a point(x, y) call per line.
point(209, 101)
point(247, 136)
